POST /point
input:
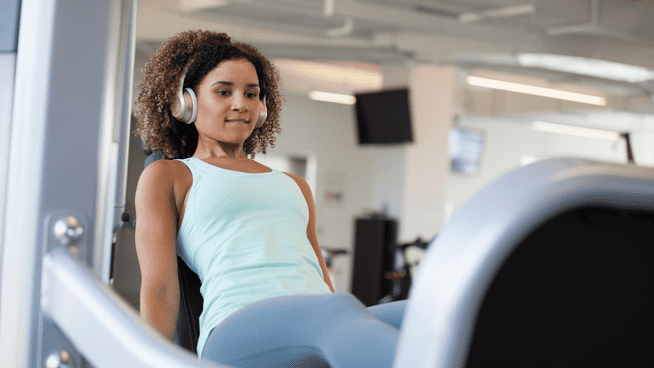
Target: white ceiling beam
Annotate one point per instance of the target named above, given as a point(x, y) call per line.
point(347, 28)
point(273, 6)
point(412, 42)
point(195, 5)
point(441, 48)
point(504, 12)
point(596, 28)
point(416, 21)
point(384, 15)
point(592, 26)
point(157, 22)
point(433, 37)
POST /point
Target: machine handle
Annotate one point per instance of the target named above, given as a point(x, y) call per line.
point(103, 327)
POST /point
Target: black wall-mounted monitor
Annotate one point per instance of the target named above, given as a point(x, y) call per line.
point(384, 117)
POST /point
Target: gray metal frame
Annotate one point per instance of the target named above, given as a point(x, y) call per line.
point(21, 245)
point(7, 67)
point(471, 248)
point(8, 25)
point(8, 30)
point(103, 327)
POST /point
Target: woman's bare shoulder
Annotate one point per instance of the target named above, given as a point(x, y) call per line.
point(165, 175)
point(166, 170)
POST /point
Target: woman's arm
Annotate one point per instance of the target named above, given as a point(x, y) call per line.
point(156, 233)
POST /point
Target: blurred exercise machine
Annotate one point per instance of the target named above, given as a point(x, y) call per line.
point(549, 265)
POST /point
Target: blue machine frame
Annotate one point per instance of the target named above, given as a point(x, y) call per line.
point(65, 174)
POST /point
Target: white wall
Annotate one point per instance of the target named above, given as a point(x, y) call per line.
point(509, 140)
point(505, 143)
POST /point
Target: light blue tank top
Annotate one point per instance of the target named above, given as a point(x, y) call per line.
point(245, 235)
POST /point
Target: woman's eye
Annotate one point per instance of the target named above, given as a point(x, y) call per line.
point(223, 92)
point(251, 95)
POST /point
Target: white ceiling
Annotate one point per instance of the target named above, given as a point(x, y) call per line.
point(387, 32)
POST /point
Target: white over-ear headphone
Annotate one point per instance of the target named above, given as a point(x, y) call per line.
point(185, 107)
point(263, 115)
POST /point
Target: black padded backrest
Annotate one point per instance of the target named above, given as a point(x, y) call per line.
point(191, 301)
point(154, 156)
point(578, 292)
point(190, 308)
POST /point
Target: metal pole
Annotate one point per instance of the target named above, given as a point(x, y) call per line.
point(71, 97)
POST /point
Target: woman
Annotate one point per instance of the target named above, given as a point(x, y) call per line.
point(247, 230)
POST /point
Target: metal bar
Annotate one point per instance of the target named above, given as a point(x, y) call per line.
point(21, 245)
point(66, 99)
point(7, 67)
point(114, 140)
point(104, 328)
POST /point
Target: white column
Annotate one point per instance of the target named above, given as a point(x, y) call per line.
point(388, 190)
point(432, 92)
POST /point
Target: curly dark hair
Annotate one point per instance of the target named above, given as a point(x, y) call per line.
point(197, 53)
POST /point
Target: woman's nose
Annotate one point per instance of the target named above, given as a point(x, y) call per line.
point(239, 103)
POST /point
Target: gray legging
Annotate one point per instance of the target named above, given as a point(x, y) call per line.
point(294, 330)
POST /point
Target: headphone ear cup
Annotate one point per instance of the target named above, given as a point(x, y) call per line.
point(191, 106)
point(262, 119)
point(185, 107)
point(178, 107)
point(263, 115)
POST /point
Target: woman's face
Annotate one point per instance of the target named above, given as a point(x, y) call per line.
point(228, 102)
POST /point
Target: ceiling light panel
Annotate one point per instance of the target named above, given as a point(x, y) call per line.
point(332, 97)
point(575, 130)
point(590, 67)
point(537, 91)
